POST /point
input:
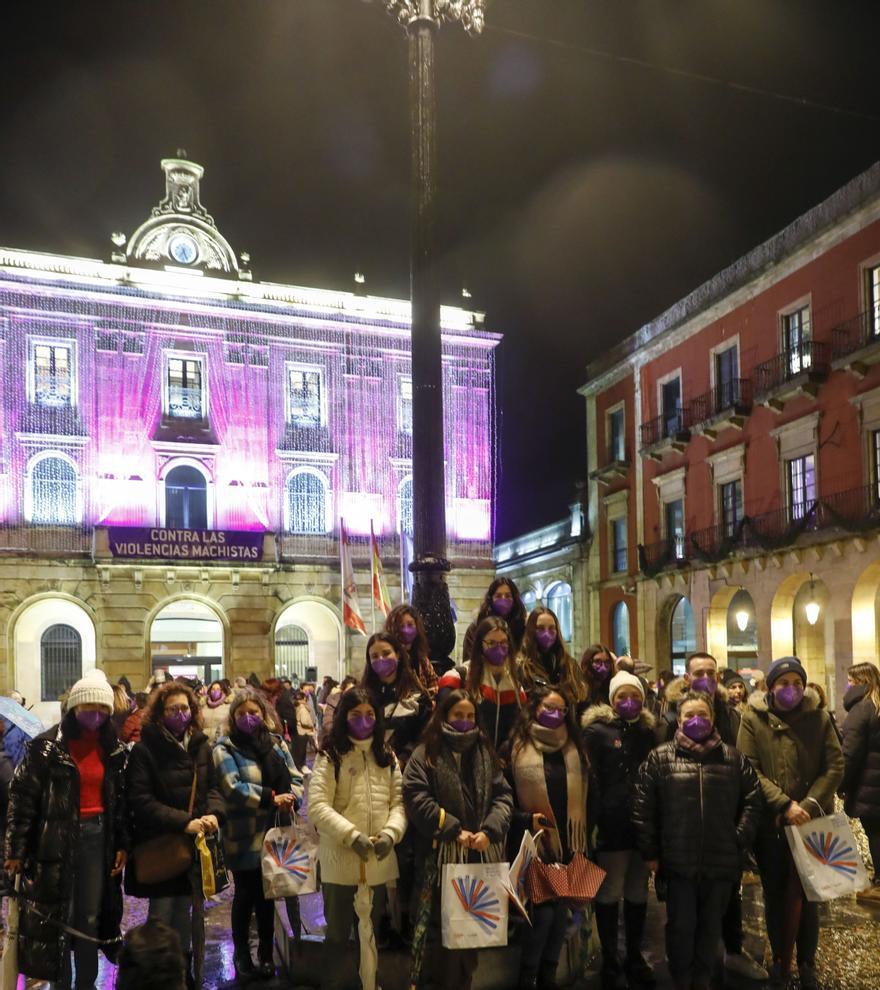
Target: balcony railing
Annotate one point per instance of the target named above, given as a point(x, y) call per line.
point(52, 390)
point(856, 510)
point(730, 397)
point(185, 402)
point(666, 426)
point(45, 539)
point(811, 358)
point(856, 334)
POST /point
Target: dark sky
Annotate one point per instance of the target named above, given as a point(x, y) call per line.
point(581, 195)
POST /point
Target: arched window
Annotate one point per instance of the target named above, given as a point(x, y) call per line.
point(559, 600)
point(530, 599)
point(306, 503)
point(620, 629)
point(60, 661)
point(682, 635)
point(53, 492)
point(186, 498)
point(405, 506)
point(291, 653)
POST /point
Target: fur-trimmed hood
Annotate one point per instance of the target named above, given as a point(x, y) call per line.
point(606, 714)
point(758, 701)
point(678, 688)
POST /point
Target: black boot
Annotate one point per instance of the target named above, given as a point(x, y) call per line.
point(244, 965)
point(638, 969)
point(528, 980)
point(613, 977)
point(265, 962)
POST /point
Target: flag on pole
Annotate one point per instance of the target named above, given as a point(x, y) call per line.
point(351, 610)
point(406, 576)
point(380, 588)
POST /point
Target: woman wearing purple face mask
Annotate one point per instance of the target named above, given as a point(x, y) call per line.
point(492, 676)
point(173, 749)
point(501, 601)
point(215, 711)
point(544, 658)
point(405, 624)
point(548, 769)
point(698, 806)
point(259, 781)
point(618, 738)
point(792, 743)
point(355, 802)
point(66, 830)
point(597, 668)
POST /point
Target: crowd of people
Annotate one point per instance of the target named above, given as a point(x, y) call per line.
point(417, 764)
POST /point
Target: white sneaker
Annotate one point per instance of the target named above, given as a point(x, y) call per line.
point(743, 965)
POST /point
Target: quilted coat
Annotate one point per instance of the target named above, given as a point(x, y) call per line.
point(358, 797)
point(42, 831)
point(861, 754)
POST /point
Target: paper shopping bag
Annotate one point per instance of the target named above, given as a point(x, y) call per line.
point(519, 868)
point(827, 858)
point(288, 861)
point(473, 905)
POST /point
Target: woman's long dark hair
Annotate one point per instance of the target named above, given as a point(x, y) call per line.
point(594, 685)
point(478, 662)
point(432, 737)
point(406, 681)
point(528, 715)
point(419, 649)
point(155, 710)
point(337, 743)
point(107, 737)
point(516, 620)
point(532, 671)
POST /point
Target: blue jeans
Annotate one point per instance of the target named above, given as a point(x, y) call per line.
point(88, 886)
point(174, 911)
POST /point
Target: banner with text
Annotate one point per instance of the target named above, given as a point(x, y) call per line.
point(185, 544)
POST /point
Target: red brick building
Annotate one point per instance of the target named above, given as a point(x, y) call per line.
point(734, 457)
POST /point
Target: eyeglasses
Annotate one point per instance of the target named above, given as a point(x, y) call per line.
point(176, 709)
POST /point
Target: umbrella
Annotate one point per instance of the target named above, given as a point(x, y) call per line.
point(13, 712)
point(423, 918)
point(363, 908)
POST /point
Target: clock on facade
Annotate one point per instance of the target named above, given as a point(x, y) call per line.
point(183, 249)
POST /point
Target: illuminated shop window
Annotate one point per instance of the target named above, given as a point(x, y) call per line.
point(306, 503)
point(53, 492)
point(305, 399)
point(52, 368)
point(184, 394)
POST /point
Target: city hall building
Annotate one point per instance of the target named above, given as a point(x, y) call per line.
point(178, 444)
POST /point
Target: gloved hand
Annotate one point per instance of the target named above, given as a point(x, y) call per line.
point(382, 845)
point(362, 846)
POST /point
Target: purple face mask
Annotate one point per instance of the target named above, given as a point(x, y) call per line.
point(545, 638)
point(601, 670)
point(248, 723)
point(502, 606)
point(361, 726)
point(176, 722)
point(788, 696)
point(628, 708)
point(705, 684)
point(91, 720)
point(384, 666)
point(408, 633)
point(697, 727)
point(215, 694)
point(496, 655)
point(462, 724)
point(550, 718)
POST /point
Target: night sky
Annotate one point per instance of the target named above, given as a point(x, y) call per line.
point(581, 194)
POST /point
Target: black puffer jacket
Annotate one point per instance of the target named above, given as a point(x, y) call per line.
point(405, 719)
point(42, 831)
point(861, 756)
point(697, 815)
point(616, 749)
point(159, 782)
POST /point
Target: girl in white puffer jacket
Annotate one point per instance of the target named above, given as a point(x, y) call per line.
point(356, 804)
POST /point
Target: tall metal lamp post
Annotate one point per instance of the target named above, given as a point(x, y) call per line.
point(421, 19)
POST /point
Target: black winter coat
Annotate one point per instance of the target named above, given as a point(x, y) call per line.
point(159, 783)
point(861, 755)
point(616, 749)
point(697, 816)
point(404, 720)
point(42, 831)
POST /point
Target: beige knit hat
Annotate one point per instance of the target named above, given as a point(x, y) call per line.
point(93, 688)
point(624, 679)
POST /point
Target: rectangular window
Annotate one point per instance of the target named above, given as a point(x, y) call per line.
point(873, 278)
point(726, 378)
point(731, 501)
point(674, 512)
point(185, 398)
point(801, 485)
point(53, 375)
point(796, 335)
point(304, 398)
point(671, 412)
point(618, 544)
point(616, 439)
point(404, 404)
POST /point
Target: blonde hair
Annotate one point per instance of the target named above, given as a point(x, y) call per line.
point(869, 675)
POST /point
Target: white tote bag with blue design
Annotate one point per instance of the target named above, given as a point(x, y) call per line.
point(289, 860)
point(473, 905)
point(827, 858)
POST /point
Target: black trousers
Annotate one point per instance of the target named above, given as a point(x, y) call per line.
point(694, 909)
point(542, 943)
point(248, 900)
point(732, 922)
point(872, 830)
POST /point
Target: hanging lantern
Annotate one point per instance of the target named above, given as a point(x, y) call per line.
point(812, 607)
point(742, 619)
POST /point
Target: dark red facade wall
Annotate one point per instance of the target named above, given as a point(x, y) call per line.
point(622, 391)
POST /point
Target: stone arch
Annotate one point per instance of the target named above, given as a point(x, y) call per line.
point(716, 623)
point(203, 600)
point(790, 630)
point(865, 627)
point(323, 626)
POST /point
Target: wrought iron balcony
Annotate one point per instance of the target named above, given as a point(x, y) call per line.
point(669, 431)
point(856, 343)
point(728, 404)
point(611, 471)
point(185, 402)
point(46, 539)
point(796, 371)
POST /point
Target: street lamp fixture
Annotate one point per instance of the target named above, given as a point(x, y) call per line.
point(742, 619)
point(812, 607)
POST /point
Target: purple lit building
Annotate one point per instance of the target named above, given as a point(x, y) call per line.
point(178, 443)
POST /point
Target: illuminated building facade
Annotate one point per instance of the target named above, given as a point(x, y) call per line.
point(179, 442)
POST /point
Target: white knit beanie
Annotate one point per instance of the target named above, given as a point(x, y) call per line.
point(91, 689)
point(625, 679)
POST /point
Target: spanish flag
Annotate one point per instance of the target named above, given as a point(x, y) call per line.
point(380, 588)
